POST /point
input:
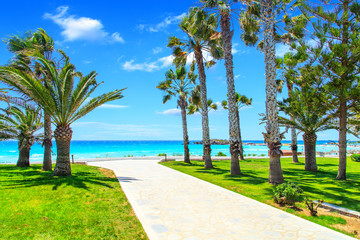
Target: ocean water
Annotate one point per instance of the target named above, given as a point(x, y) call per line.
point(110, 149)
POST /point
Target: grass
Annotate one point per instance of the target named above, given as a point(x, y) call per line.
point(316, 185)
point(87, 205)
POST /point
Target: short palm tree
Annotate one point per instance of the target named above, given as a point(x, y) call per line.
point(179, 84)
point(195, 102)
point(41, 42)
point(241, 101)
point(21, 125)
point(202, 37)
point(62, 99)
point(305, 105)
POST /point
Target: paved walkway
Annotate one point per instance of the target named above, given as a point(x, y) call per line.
point(172, 205)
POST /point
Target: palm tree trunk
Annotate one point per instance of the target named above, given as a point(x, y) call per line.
point(234, 131)
point(294, 144)
point(47, 163)
point(272, 135)
point(63, 135)
point(24, 157)
point(293, 130)
point(241, 148)
point(310, 151)
point(204, 110)
point(342, 140)
point(183, 104)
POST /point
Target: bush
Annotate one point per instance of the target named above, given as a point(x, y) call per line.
point(287, 193)
point(221, 154)
point(355, 157)
point(161, 154)
point(312, 206)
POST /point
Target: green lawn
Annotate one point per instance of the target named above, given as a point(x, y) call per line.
point(253, 182)
point(87, 205)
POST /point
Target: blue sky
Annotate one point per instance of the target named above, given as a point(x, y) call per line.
point(126, 45)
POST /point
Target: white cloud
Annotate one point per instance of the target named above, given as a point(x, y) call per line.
point(162, 25)
point(106, 105)
point(117, 38)
point(148, 66)
point(206, 55)
point(245, 108)
point(235, 50)
point(141, 27)
point(172, 111)
point(81, 28)
point(239, 76)
point(282, 49)
point(86, 62)
point(160, 63)
point(113, 106)
point(157, 50)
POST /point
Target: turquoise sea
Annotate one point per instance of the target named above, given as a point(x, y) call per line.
point(110, 149)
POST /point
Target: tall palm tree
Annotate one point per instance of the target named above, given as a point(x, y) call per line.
point(64, 101)
point(202, 37)
point(179, 84)
point(261, 16)
point(241, 101)
point(224, 10)
point(41, 42)
point(21, 125)
point(272, 135)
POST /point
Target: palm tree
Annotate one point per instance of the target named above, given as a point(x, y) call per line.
point(241, 101)
point(262, 13)
point(21, 125)
point(224, 10)
point(40, 42)
point(272, 135)
point(309, 115)
point(202, 37)
point(4, 96)
point(61, 99)
point(195, 102)
point(179, 84)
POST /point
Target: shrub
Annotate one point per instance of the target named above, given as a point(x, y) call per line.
point(161, 154)
point(312, 206)
point(355, 157)
point(221, 154)
point(287, 193)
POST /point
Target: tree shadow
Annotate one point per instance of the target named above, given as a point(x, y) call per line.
point(246, 176)
point(337, 191)
point(127, 179)
point(33, 176)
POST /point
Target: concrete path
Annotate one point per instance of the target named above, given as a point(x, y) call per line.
point(172, 205)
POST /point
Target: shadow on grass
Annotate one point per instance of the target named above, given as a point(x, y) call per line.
point(246, 176)
point(324, 184)
point(32, 176)
point(127, 179)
